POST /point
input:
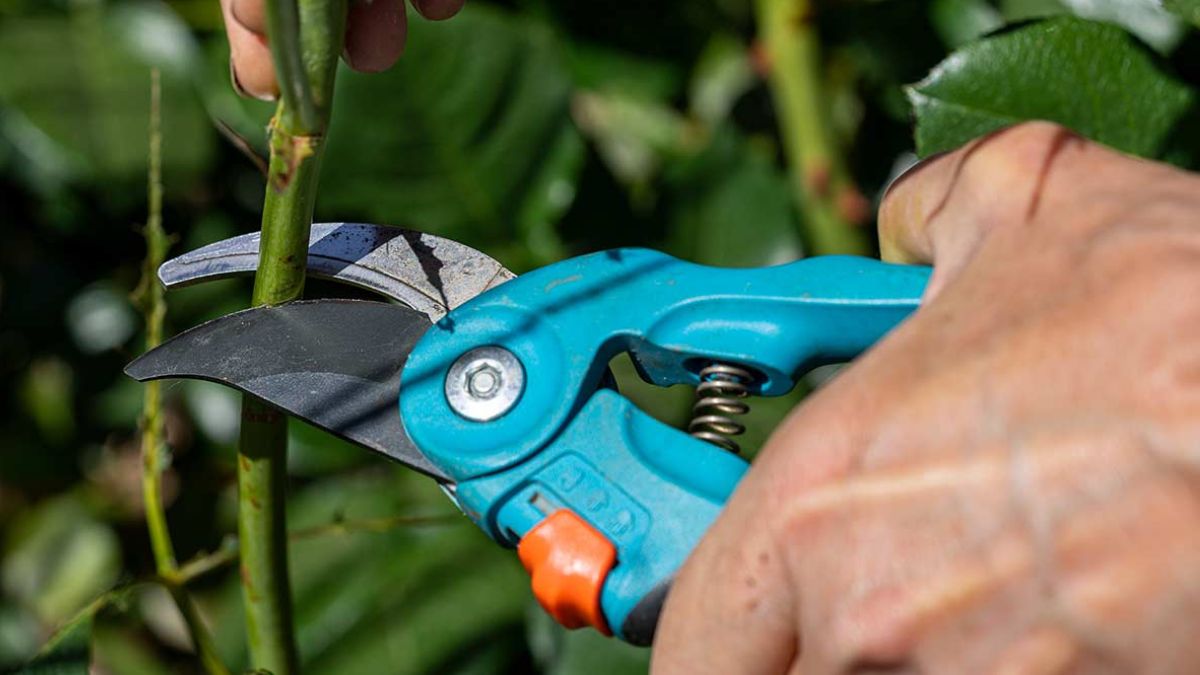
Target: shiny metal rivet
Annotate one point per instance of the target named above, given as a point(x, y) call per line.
point(485, 383)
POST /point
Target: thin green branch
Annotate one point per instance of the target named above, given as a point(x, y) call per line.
point(828, 200)
point(202, 639)
point(208, 563)
point(306, 39)
point(149, 295)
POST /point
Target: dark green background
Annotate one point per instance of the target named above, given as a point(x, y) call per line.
point(531, 130)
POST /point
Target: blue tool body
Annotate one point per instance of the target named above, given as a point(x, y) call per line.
point(572, 443)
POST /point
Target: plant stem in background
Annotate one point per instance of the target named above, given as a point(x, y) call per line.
point(831, 205)
point(202, 641)
point(207, 563)
point(306, 40)
point(149, 295)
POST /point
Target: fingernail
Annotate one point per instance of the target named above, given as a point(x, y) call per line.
point(906, 165)
point(233, 78)
point(241, 89)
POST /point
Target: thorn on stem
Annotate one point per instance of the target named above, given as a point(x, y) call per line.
point(760, 59)
point(242, 144)
point(852, 206)
point(816, 180)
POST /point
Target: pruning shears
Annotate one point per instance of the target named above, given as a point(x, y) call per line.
point(497, 386)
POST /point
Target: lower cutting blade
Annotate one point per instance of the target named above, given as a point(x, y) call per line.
point(333, 363)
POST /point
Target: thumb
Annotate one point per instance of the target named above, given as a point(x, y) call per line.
point(940, 211)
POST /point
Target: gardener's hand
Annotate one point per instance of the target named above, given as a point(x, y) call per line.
point(1010, 482)
point(375, 31)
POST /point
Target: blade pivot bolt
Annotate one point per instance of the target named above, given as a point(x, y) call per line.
point(485, 383)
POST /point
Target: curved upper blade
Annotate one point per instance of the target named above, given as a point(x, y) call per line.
point(428, 273)
point(332, 363)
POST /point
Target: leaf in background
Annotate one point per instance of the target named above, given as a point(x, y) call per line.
point(623, 105)
point(397, 598)
point(580, 652)
point(414, 598)
point(633, 135)
point(610, 70)
point(68, 652)
point(47, 395)
point(723, 74)
point(122, 650)
point(1144, 18)
point(1188, 9)
point(731, 206)
point(961, 21)
point(469, 136)
point(1091, 77)
point(81, 113)
point(58, 557)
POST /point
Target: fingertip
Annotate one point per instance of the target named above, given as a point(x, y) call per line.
point(904, 212)
point(437, 10)
point(251, 14)
point(375, 33)
point(951, 202)
point(251, 70)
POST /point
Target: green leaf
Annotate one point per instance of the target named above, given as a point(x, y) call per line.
point(68, 652)
point(47, 394)
point(732, 206)
point(634, 135)
point(456, 138)
point(417, 599)
point(123, 649)
point(580, 652)
point(58, 557)
point(1144, 18)
point(961, 21)
point(723, 74)
point(81, 114)
point(411, 597)
point(610, 70)
point(1091, 77)
point(1188, 9)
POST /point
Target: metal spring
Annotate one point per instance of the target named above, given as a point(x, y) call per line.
point(719, 396)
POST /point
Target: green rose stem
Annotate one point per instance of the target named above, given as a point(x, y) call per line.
point(829, 202)
point(306, 40)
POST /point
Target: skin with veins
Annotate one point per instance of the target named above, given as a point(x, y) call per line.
point(1010, 481)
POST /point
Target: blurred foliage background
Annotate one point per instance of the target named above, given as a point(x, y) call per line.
point(531, 129)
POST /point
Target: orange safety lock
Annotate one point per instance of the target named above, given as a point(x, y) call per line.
point(568, 560)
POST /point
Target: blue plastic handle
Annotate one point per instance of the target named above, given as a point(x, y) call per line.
point(568, 443)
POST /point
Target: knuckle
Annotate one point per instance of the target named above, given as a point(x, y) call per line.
point(1017, 154)
point(1038, 133)
point(878, 630)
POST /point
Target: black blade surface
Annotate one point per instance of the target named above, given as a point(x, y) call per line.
point(333, 363)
